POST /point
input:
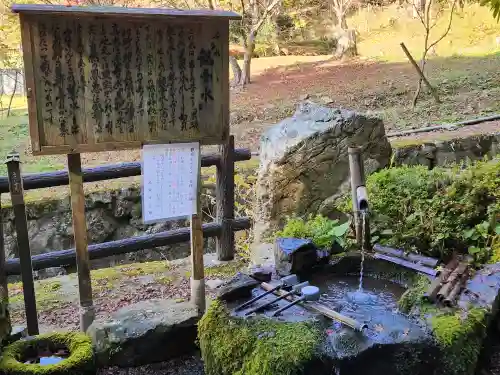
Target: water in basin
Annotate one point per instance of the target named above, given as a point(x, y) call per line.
point(374, 304)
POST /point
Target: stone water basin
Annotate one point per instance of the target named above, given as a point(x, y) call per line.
point(425, 340)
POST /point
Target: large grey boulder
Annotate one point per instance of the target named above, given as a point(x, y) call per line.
point(146, 332)
point(304, 161)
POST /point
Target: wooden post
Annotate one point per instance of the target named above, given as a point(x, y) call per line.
point(23, 244)
point(197, 264)
point(225, 201)
point(4, 291)
point(87, 312)
point(420, 73)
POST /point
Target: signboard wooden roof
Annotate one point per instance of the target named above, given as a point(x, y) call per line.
point(108, 78)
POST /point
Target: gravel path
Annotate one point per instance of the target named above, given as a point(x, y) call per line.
point(189, 365)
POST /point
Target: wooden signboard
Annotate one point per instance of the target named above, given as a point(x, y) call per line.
point(108, 78)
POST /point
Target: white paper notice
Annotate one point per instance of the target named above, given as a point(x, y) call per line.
point(170, 175)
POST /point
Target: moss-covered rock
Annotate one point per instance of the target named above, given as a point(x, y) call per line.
point(5, 324)
point(459, 332)
point(259, 346)
point(79, 362)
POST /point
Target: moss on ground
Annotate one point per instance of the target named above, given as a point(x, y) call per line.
point(232, 346)
point(459, 333)
point(79, 362)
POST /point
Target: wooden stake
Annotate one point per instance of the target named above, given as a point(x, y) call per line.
point(87, 312)
point(197, 266)
point(23, 243)
point(4, 292)
point(225, 201)
point(420, 73)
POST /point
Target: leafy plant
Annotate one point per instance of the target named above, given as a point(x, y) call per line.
point(435, 212)
point(321, 230)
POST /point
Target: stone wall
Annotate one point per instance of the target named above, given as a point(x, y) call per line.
point(111, 215)
point(444, 152)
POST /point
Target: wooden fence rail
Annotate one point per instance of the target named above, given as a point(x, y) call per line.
point(222, 228)
point(107, 172)
point(67, 258)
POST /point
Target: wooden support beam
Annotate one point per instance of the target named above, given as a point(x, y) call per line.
point(225, 201)
point(23, 244)
point(87, 313)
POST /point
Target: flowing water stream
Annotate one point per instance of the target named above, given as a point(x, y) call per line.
point(363, 215)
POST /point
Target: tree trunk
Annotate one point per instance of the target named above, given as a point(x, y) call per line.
point(247, 59)
point(13, 94)
point(235, 67)
point(346, 44)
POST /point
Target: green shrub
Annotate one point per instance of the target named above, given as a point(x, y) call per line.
point(321, 230)
point(437, 211)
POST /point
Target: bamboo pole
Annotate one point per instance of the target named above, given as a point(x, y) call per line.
point(316, 307)
point(426, 261)
point(417, 267)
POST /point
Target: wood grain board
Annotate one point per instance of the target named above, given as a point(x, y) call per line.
point(105, 83)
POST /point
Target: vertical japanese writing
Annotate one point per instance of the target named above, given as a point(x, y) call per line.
point(183, 80)
point(80, 92)
point(171, 75)
point(59, 80)
point(128, 108)
point(162, 80)
point(139, 88)
point(151, 82)
point(206, 62)
point(214, 47)
point(117, 74)
point(95, 85)
point(71, 87)
point(107, 83)
point(193, 118)
point(46, 73)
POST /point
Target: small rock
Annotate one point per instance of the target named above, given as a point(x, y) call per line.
point(145, 332)
point(260, 273)
point(304, 97)
point(240, 286)
point(214, 284)
point(326, 100)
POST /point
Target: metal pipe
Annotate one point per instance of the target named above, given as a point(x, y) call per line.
point(286, 281)
point(309, 293)
point(323, 310)
point(295, 289)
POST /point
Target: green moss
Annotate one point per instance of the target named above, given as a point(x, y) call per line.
point(232, 346)
point(413, 296)
point(458, 333)
point(80, 361)
point(461, 335)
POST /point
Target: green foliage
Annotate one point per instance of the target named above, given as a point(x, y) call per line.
point(438, 211)
point(413, 296)
point(80, 361)
point(494, 5)
point(232, 346)
point(321, 230)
